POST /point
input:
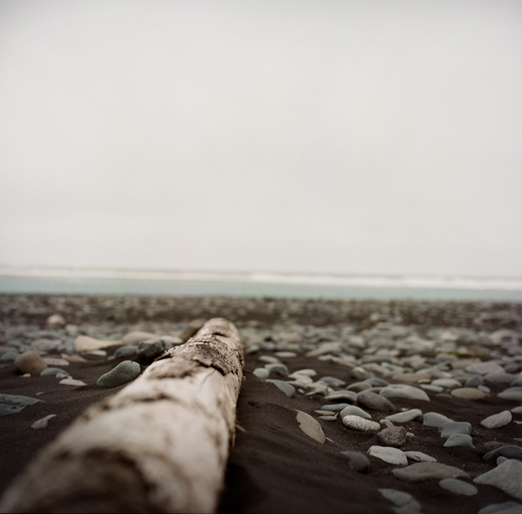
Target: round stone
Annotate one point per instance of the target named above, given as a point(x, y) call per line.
point(288, 389)
point(352, 410)
point(419, 457)
point(310, 426)
point(389, 455)
point(404, 391)
point(393, 436)
point(30, 362)
point(497, 420)
point(261, 373)
point(121, 374)
point(423, 471)
point(357, 461)
point(468, 393)
point(360, 424)
point(458, 486)
point(374, 401)
point(434, 419)
point(404, 417)
point(459, 440)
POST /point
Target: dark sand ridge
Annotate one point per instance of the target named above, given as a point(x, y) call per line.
point(274, 466)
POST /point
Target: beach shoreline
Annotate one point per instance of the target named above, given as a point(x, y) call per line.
point(275, 466)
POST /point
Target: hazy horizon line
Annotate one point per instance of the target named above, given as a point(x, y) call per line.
point(259, 276)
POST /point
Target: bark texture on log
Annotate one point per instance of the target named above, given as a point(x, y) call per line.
point(159, 445)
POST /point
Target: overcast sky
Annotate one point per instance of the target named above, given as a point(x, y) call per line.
point(369, 137)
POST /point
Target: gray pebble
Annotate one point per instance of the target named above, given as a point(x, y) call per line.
point(474, 381)
point(121, 374)
point(454, 427)
point(507, 477)
point(510, 451)
point(14, 403)
point(288, 389)
point(497, 420)
point(261, 373)
point(458, 486)
point(434, 419)
point(405, 501)
point(278, 368)
point(393, 436)
point(502, 508)
point(125, 351)
point(352, 410)
point(357, 461)
point(463, 440)
point(351, 396)
point(375, 401)
point(423, 471)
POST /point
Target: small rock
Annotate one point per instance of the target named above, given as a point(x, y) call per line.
point(510, 451)
point(374, 401)
point(54, 361)
point(136, 337)
point(360, 424)
point(261, 373)
point(277, 367)
point(404, 501)
point(55, 320)
point(463, 440)
point(125, 351)
point(404, 417)
point(43, 422)
point(483, 368)
point(72, 382)
point(336, 407)
point(502, 508)
point(352, 410)
point(150, 350)
point(332, 381)
point(468, 393)
point(288, 389)
point(357, 461)
point(404, 391)
point(454, 427)
point(46, 345)
point(48, 372)
point(86, 344)
point(30, 362)
point(507, 477)
point(310, 426)
point(512, 394)
point(351, 396)
point(447, 383)
point(121, 374)
point(388, 454)
point(424, 471)
point(497, 420)
point(434, 419)
point(458, 486)
point(419, 456)
point(14, 403)
point(393, 436)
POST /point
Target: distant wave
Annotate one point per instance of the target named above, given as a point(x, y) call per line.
point(475, 283)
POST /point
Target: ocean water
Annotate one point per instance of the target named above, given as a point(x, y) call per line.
point(378, 290)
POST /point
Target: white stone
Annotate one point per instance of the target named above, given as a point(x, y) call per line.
point(72, 382)
point(419, 456)
point(42, 423)
point(497, 420)
point(404, 417)
point(458, 486)
point(483, 368)
point(86, 344)
point(404, 391)
point(448, 383)
point(506, 476)
point(310, 426)
point(389, 454)
point(360, 424)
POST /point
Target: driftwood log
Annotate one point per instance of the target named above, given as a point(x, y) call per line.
point(159, 445)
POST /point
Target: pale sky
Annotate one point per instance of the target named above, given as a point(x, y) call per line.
point(369, 137)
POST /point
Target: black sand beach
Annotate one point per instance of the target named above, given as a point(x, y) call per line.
point(274, 466)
